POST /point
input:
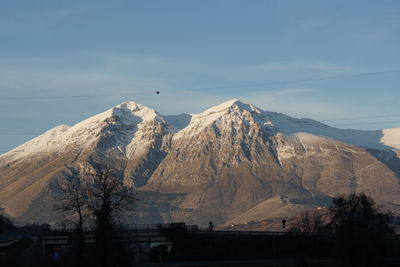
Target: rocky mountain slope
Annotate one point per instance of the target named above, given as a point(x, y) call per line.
point(230, 163)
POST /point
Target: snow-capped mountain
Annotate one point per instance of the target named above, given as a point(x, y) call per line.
point(233, 157)
point(228, 163)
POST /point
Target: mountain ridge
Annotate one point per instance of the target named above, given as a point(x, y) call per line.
point(282, 122)
point(219, 164)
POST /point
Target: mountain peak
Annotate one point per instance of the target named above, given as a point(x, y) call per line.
point(131, 105)
point(227, 105)
point(231, 102)
point(234, 109)
point(136, 109)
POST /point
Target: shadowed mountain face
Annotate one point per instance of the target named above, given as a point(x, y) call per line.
point(231, 163)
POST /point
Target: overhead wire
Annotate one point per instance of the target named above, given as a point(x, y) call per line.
point(343, 76)
point(363, 118)
point(37, 132)
point(159, 91)
point(305, 125)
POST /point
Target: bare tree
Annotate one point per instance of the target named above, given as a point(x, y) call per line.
point(73, 201)
point(108, 200)
point(308, 222)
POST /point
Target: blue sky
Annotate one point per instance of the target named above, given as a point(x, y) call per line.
point(112, 51)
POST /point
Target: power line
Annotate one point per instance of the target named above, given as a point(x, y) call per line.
point(278, 126)
point(363, 118)
point(71, 96)
point(366, 123)
point(21, 134)
point(160, 91)
point(307, 124)
point(299, 80)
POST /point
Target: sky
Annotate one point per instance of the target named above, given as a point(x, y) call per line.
point(64, 61)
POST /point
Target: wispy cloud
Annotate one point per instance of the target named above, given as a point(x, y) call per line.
point(68, 81)
point(304, 65)
point(289, 91)
point(297, 103)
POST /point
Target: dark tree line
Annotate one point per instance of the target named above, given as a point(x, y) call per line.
point(358, 225)
point(353, 230)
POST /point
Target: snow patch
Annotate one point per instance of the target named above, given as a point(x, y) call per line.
point(47, 139)
point(391, 137)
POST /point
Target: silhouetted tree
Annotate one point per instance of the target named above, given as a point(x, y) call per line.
point(308, 222)
point(360, 228)
point(104, 199)
point(73, 201)
point(5, 224)
point(108, 200)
